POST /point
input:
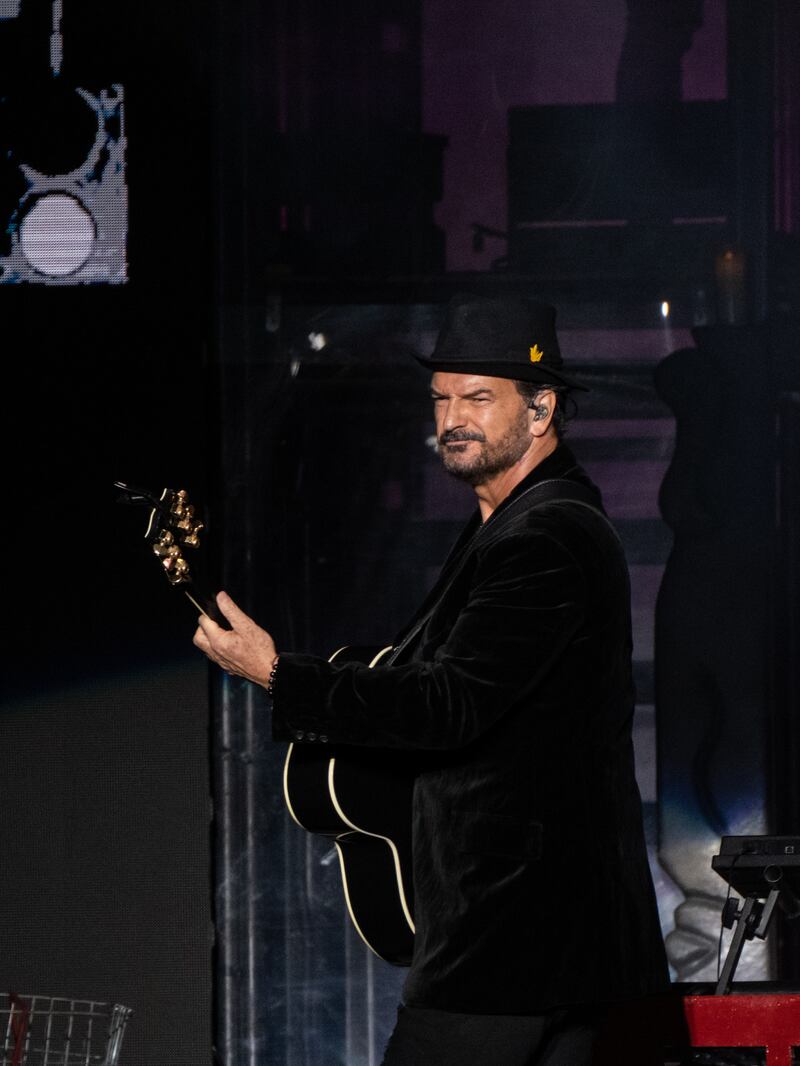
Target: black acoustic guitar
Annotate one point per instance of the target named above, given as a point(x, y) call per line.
point(361, 799)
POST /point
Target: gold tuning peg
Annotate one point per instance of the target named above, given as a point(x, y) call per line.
point(180, 503)
point(192, 530)
point(165, 545)
point(176, 567)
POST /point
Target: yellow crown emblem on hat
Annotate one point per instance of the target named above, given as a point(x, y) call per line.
point(536, 354)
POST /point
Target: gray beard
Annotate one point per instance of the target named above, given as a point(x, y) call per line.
point(491, 459)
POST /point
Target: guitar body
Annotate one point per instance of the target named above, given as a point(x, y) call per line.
point(362, 799)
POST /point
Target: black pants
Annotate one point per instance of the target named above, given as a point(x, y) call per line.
point(442, 1038)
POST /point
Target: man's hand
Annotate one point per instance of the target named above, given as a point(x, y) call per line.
point(246, 649)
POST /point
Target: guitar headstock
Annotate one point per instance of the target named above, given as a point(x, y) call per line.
point(173, 526)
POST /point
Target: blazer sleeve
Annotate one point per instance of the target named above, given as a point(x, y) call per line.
point(527, 600)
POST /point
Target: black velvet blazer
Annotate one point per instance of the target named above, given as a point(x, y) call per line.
point(532, 888)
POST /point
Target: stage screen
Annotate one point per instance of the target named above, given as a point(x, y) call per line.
point(63, 192)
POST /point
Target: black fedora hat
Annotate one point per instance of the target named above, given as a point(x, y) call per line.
point(501, 337)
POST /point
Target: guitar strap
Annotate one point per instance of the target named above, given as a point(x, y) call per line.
point(553, 489)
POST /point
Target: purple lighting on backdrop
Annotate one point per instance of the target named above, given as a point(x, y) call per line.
point(479, 60)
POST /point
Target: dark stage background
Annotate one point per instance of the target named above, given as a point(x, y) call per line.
point(284, 198)
point(104, 766)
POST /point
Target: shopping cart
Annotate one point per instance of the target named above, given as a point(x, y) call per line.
point(56, 1031)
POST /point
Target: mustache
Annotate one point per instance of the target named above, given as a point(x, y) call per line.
point(454, 436)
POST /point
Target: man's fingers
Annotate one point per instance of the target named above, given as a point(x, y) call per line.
point(200, 640)
point(209, 627)
point(209, 636)
point(217, 643)
point(234, 614)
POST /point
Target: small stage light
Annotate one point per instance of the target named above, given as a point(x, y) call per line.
point(665, 308)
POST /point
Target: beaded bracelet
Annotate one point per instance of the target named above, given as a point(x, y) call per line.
point(272, 673)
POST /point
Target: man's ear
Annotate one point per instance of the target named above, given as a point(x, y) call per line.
point(540, 413)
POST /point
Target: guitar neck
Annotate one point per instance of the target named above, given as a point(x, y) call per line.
point(205, 604)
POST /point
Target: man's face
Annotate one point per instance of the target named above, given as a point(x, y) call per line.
point(482, 425)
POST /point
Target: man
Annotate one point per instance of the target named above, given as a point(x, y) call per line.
point(533, 900)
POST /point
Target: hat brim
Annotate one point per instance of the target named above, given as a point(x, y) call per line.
point(533, 373)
